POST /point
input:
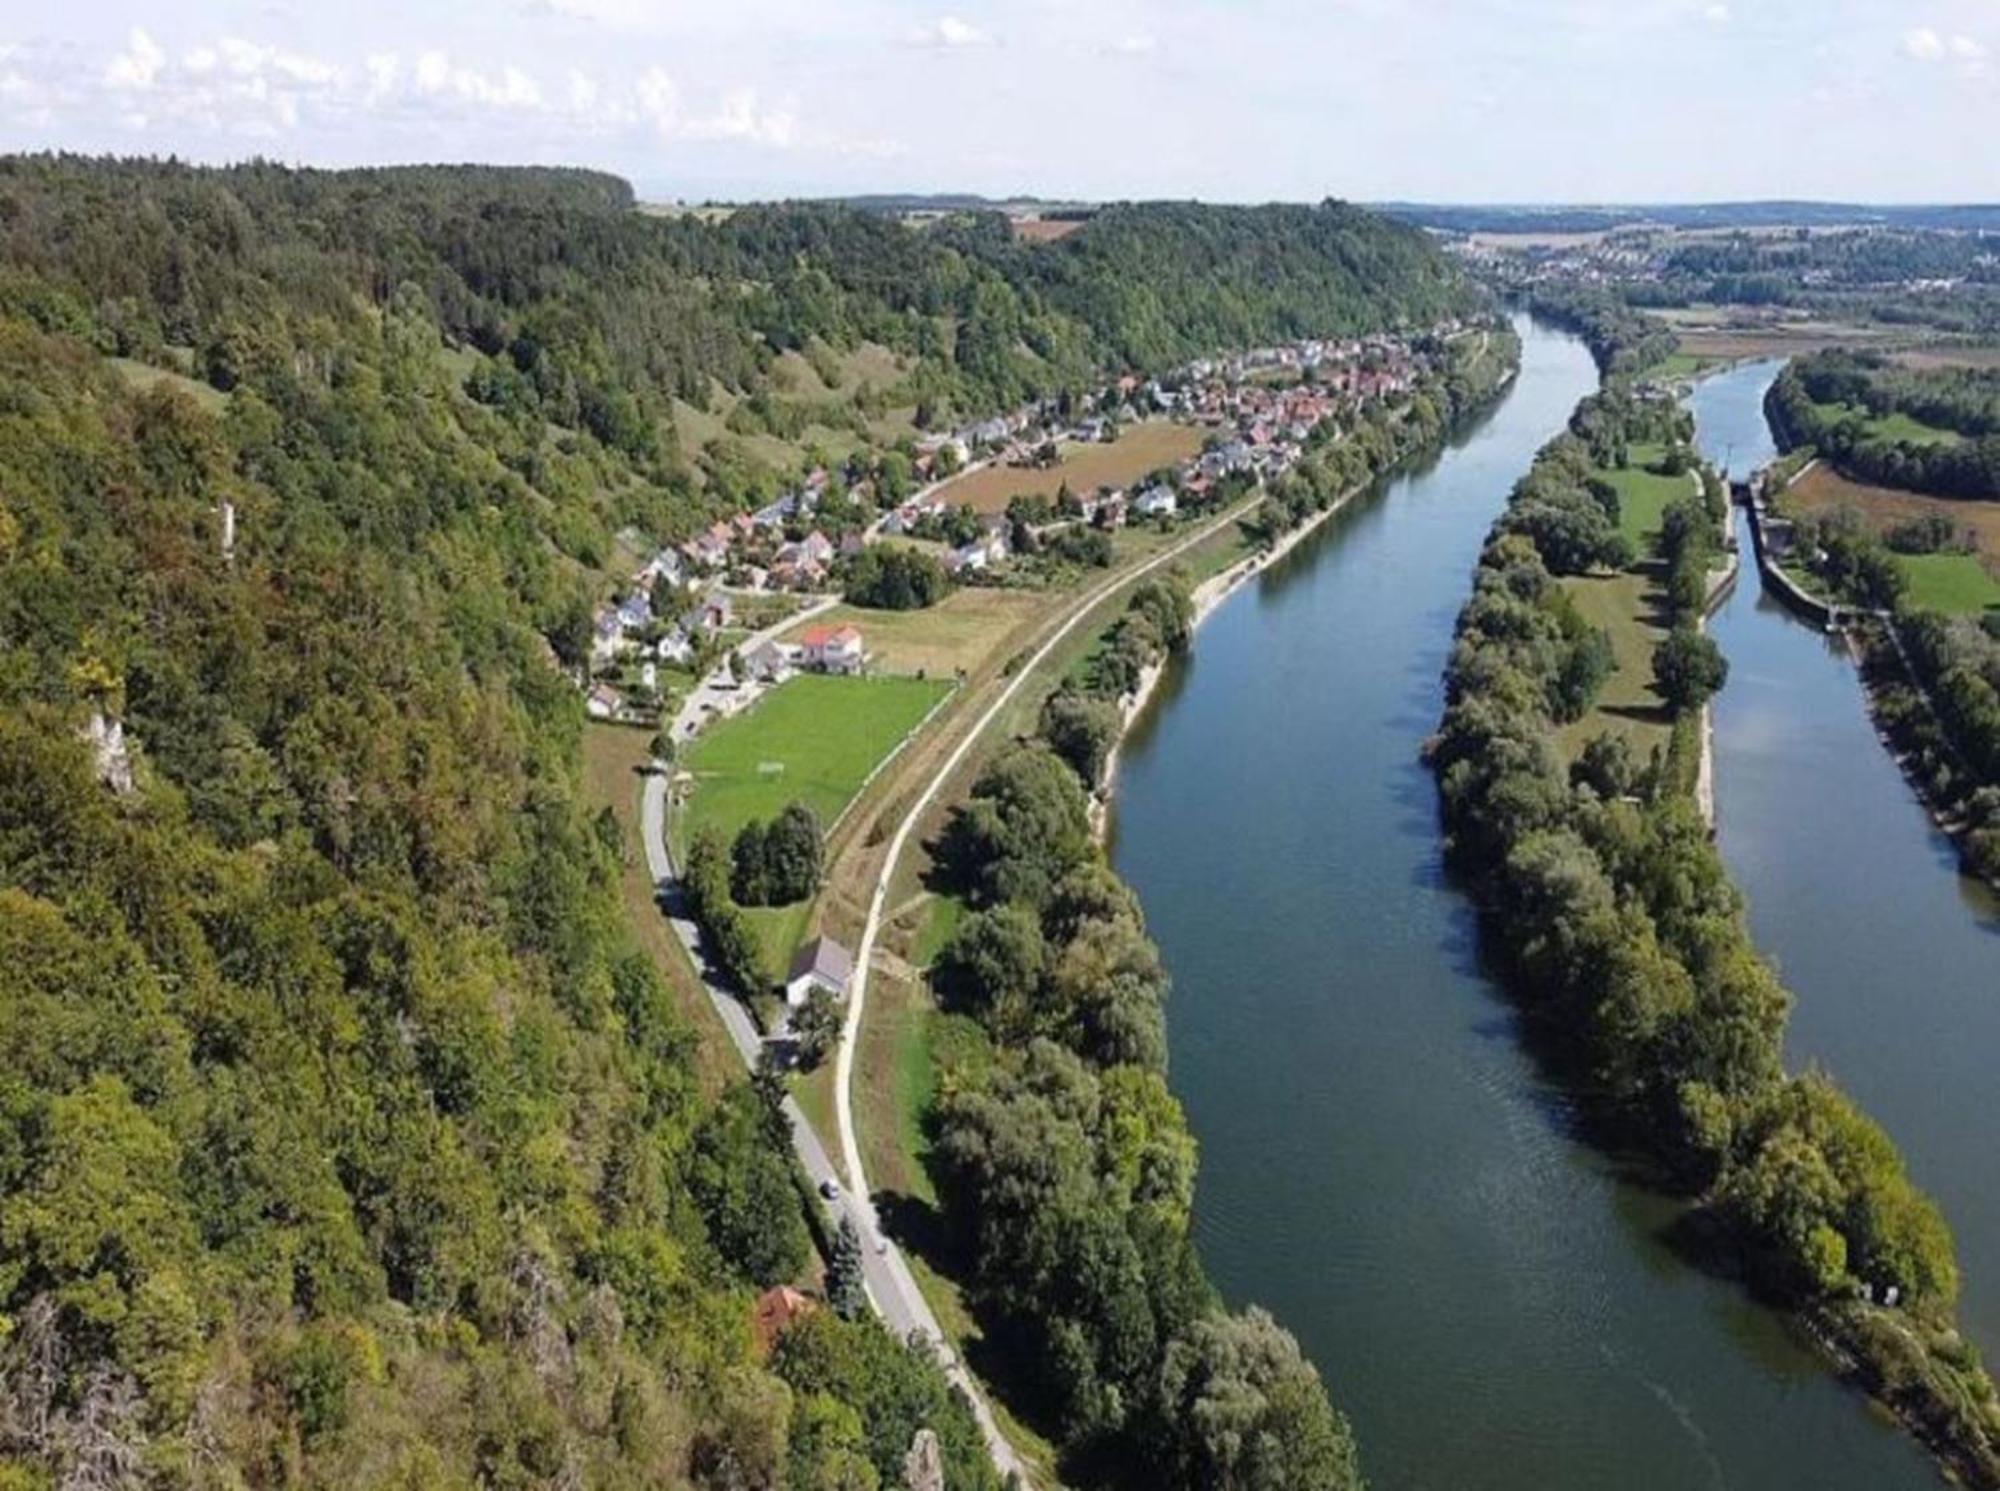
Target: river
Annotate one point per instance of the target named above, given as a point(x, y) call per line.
point(1893, 955)
point(1382, 1164)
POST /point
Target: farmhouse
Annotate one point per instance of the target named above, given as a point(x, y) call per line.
point(832, 649)
point(772, 661)
point(821, 964)
point(602, 702)
point(1156, 502)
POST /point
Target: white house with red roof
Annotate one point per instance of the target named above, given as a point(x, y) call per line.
point(833, 649)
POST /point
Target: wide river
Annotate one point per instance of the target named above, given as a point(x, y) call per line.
point(1382, 1164)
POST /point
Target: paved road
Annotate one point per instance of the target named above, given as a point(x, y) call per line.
point(891, 1288)
point(712, 698)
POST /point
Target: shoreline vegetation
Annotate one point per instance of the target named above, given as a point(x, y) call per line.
point(1608, 914)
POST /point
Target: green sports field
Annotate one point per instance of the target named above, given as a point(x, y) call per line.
point(811, 739)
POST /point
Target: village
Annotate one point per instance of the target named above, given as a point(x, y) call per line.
point(695, 617)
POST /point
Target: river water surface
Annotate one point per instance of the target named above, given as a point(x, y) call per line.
point(1382, 1164)
point(1893, 955)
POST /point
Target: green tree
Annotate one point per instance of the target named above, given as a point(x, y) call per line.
point(845, 1289)
point(1241, 1407)
point(741, 1182)
point(1688, 668)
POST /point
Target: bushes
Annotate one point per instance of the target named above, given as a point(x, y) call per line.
point(893, 577)
point(778, 863)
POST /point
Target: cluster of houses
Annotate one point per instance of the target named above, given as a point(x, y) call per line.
point(1262, 405)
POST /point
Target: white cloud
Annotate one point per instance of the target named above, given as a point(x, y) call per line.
point(1922, 43)
point(385, 72)
point(1138, 44)
point(949, 33)
point(659, 99)
point(139, 64)
point(1717, 14)
point(624, 14)
point(740, 118)
point(1965, 49)
point(436, 76)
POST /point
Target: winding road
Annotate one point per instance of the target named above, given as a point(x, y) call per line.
point(892, 1288)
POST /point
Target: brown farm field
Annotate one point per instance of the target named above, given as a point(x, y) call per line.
point(1950, 355)
point(1140, 449)
point(1822, 489)
point(1044, 229)
point(962, 631)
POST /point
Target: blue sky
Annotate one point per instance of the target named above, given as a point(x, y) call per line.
point(1457, 100)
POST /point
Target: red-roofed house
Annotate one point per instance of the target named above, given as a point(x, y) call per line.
point(833, 649)
point(776, 1311)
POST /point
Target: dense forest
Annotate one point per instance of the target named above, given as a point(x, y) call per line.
point(345, 1138)
point(1609, 909)
point(578, 312)
point(1838, 402)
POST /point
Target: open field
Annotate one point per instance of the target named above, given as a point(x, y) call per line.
point(1044, 229)
point(1956, 584)
point(1643, 494)
point(1625, 605)
point(811, 739)
point(1724, 333)
point(1949, 355)
point(1142, 448)
point(1896, 426)
point(959, 633)
point(1676, 366)
point(1935, 581)
point(143, 375)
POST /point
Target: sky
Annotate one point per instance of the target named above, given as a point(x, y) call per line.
point(1234, 100)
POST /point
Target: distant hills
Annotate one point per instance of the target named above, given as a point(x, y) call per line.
point(1528, 217)
point(1584, 218)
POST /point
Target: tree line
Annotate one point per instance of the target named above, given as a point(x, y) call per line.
point(581, 312)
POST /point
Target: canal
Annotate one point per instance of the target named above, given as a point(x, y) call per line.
point(1382, 1164)
point(1893, 955)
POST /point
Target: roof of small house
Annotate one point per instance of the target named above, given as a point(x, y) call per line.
point(823, 959)
point(776, 1311)
point(829, 636)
